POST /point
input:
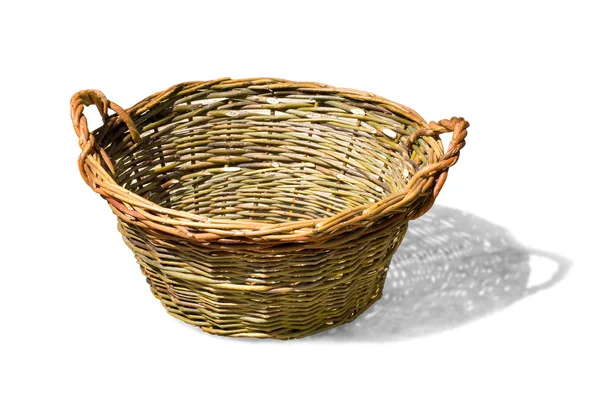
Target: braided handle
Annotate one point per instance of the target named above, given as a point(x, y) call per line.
point(458, 127)
point(86, 139)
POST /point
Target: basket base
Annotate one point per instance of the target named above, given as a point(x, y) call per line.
point(296, 331)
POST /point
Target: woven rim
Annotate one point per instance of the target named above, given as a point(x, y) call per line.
point(419, 194)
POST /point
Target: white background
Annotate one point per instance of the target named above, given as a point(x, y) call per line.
point(80, 327)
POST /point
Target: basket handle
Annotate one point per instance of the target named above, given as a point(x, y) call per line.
point(86, 139)
point(458, 127)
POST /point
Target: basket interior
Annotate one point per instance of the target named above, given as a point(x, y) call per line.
point(263, 155)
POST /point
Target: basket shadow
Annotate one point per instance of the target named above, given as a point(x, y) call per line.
point(451, 268)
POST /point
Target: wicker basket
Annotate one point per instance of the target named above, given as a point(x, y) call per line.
point(264, 207)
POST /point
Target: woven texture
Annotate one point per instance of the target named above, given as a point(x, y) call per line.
point(264, 207)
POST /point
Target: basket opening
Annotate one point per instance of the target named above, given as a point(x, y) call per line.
point(265, 156)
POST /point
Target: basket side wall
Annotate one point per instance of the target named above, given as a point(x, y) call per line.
point(278, 292)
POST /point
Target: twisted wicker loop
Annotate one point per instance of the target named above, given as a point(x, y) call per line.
point(459, 128)
point(86, 140)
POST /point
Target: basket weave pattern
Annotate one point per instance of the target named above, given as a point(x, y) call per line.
point(264, 207)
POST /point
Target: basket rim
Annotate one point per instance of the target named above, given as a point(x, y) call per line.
point(131, 206)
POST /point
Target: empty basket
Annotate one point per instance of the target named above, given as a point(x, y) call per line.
point(264, 207)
